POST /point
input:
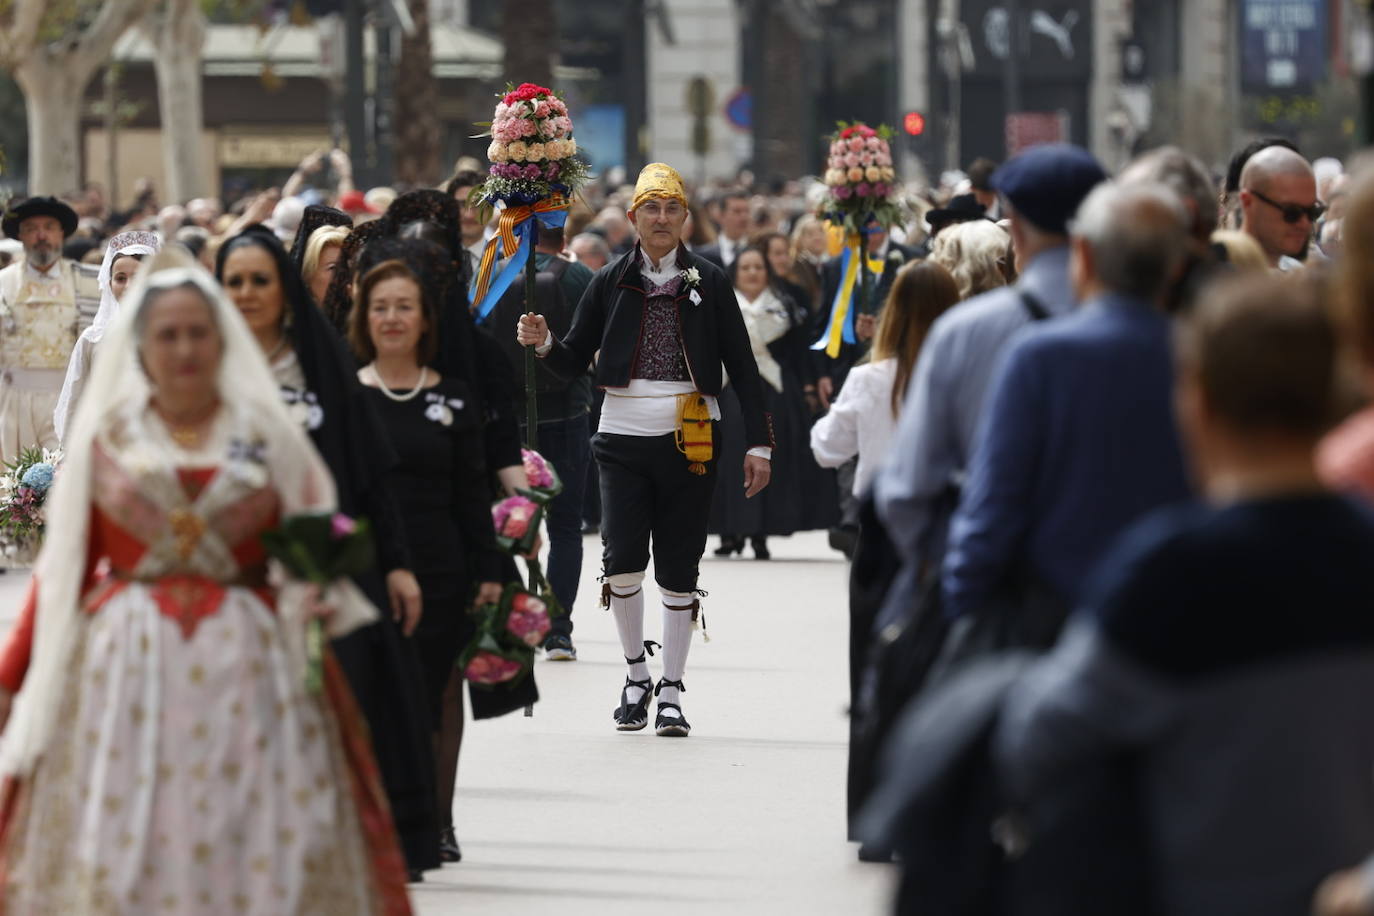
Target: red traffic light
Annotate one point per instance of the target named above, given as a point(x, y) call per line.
point(915, 123)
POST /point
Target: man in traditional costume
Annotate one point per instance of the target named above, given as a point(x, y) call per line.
point(46, 301)
point(664, 321)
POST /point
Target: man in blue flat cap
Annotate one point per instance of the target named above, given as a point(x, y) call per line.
point(1040, 189)
point(1077, 440)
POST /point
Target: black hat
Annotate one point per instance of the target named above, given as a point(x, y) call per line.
point(39, 206)
point(1045, 184)
point(961, 209)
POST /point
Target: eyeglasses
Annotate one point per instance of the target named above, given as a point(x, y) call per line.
point(1292, 212)
point(653, 209)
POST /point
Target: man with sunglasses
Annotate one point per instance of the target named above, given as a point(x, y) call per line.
point(1278, 201)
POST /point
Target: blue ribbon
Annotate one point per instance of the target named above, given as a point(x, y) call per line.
point(554, 219)
point(848, 332)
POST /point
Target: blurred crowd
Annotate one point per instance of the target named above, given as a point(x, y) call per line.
point(1100, 451)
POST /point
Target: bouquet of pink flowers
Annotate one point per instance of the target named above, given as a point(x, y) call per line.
point(320, 547)
point(508, 632)
point(532, 151)
point(544, 483)
point(860, 175)
point(528, 620)
point(516, 520)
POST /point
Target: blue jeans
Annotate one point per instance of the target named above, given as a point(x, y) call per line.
point(566, 444)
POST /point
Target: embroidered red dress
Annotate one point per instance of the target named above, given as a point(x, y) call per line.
point(191, 771)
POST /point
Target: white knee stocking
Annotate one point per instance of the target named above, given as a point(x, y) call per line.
point(625, 597)
point(677, 641)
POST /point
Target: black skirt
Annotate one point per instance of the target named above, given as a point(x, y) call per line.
point(800, 496)
point(382, 670)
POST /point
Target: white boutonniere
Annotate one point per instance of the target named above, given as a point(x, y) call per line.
point(691, 279)
point(895, 256)
point(304, 407)
point(442, 410)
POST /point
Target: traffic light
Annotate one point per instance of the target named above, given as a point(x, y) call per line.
point(915, 123)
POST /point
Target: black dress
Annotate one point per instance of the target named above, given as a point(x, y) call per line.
point(801, 495)
point(441, 487)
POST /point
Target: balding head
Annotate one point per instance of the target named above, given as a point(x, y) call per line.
point(1128, 239)
point(1275, 162)
point(1277, 192)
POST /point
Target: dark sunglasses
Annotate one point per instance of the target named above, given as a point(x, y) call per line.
point(1293, 212)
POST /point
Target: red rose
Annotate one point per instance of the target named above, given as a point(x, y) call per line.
point(525, 92)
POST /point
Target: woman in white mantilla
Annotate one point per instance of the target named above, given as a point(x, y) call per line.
point(164, 751)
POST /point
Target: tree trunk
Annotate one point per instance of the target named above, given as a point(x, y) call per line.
point(529, 29)
point(54, 96)
point(54, 74)
point(178, 37)
point(418, 134)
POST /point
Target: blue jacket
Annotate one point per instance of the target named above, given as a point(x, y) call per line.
point(1077, 442)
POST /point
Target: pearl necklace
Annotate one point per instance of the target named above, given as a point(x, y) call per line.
point(402, 398)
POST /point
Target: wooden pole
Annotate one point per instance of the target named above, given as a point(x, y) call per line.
point(531, 407)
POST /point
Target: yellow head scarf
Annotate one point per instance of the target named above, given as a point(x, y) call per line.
point(659, 180)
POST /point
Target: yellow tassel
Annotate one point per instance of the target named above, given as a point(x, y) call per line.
point(694, 432)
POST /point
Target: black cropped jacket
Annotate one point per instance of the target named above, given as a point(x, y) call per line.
point(611, 315)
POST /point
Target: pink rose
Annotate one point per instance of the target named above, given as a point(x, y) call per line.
point(341, 526)
point(490, 668)
point(528, 620)
point(536, 468)
point(856, 144)
point(884, 159)
point(851, 160)
point(541, 110)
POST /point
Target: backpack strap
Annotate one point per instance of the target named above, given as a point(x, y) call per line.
point(1033, 306)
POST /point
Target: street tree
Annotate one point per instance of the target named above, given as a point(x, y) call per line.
point(176, 29)
point(53, 48)
point(418, 133)
point(529, 29)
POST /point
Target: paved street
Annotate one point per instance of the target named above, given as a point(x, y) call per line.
point(561, 814)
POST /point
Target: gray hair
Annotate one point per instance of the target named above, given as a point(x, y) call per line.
point(1138, 236)
point(1186, 176)
point(973, 253)
point(597, 243)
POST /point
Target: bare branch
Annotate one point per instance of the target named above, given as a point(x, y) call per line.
point(92, 47)
point(18, 42)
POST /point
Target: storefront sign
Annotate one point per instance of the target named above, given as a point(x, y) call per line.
point(1284, 44)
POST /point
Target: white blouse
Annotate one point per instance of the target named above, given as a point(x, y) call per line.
point(860, 422)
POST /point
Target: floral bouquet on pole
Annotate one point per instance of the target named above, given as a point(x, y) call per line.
point(24, 489)
point(502, 651)
point(534, 174)
point(861, 182)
